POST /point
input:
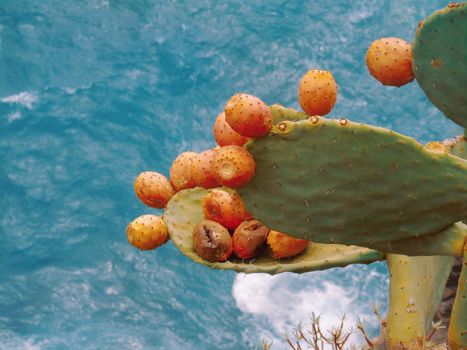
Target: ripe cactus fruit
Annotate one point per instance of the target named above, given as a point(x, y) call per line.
point(184, 211)
point(234, 166)
point(147, 232)
point(285, 246)
point(364, 184)
point(389, 60)
point(181, 171)
point(225, 135)
point(225, 208)
point(153, 189)
point(439, 53)
point(249, 238)
point(212, 241)
point(317, 92)
point(203, 169)
point(248, 115)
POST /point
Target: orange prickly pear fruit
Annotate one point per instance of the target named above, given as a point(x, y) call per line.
point(234, 166)
point(284, 246)
point(181, 171)
point(203, 169)
point(225, 135)
point(389, 60)
point(249, 238)
point(225, 208)
point(147, 232)
point(212, 241)
point(248, 115)
point(317, 92)
point(153, 189)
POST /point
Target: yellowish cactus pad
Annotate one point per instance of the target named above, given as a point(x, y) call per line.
point(184, 211)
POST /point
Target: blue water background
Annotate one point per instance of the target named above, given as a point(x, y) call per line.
point(94, 92)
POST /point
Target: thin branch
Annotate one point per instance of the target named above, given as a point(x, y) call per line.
point(361, 328)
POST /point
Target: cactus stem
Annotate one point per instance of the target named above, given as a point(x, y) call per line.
point(457, 334)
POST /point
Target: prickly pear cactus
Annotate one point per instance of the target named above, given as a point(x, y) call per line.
point(184, 211)
point(439, 56)
point(457, 337)
point(416, 288)
point(335, 181)
point(352, 183)
point(457, 146)
point(448, 242)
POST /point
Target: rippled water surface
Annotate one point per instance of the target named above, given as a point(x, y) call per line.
point(94, 92)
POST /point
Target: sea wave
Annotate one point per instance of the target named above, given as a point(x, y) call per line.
point(25, 99)
point(16, 115)
point(274, 305)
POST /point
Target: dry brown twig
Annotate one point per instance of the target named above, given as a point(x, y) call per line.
point(315, 339)
point(361, 328)
point(382, 321)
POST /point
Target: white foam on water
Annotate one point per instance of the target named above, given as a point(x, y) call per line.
point(282, 302)
point(14, 116)
point(70, 90)
point(12, 341)
point(102, 5)
point(25, 98)
point(111, 291)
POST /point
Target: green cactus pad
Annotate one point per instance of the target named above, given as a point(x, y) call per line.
point(449, 242)
point(457, 336)
point(416, 288)
point(184, 211)
point(439, 56)
point(335, 181)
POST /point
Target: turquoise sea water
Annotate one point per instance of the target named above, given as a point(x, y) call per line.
point(94, 92)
